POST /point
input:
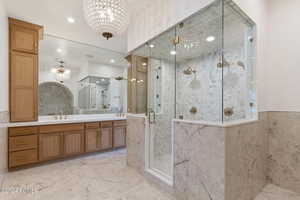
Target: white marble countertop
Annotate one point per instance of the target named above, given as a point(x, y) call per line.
point(47, 120)
point(217, 124)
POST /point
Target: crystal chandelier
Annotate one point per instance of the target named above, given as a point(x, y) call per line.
point(61, 73)
point(106, 17)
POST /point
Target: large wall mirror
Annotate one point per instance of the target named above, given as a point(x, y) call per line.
point(76, 78)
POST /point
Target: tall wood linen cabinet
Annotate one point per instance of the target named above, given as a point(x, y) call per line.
point(23, 69)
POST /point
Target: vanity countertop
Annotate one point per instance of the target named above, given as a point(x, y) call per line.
point(48, 120)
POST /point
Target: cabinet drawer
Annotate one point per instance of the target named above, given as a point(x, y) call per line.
point(22, 131)
point(22, 142)
point(120, 123)
point(61, 128)
point(106, 124)
point(22, 157)
point(93, 125)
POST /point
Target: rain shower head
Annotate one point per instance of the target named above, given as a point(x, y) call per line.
point(120, 78)
point(189, 71)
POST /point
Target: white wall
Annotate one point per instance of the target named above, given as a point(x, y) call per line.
point(283, 56)
point(3, 59)
point(156, 16)
point(159, 15)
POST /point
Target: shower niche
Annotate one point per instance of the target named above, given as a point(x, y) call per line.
point(205, 66)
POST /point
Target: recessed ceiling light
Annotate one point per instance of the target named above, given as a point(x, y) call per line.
point(59, 50)
point(71, 20)
point(112, 61)
point(173, 52)
point(151, 46)
point(210, 38)
point(144, 64)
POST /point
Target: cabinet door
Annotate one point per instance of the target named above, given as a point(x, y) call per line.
point(92, 140)
point(73, 143)
point(119, 136)
point(50, 146)
point(23, 87)
point(24, 39)
point(106, 138)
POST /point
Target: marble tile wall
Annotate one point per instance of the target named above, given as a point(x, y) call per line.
point(4, 118)
point(284, 150)
point(199, 162)
point(54, 98)
point(246, 149)
point(3, 149)
point(220, 163)
point(135, 141)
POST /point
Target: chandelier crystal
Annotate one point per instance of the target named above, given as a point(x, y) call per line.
point(106, 17)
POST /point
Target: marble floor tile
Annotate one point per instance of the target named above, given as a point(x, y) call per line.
point(99, 176)
point(272, 192)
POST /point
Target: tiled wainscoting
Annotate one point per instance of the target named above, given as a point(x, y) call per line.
point(231, 162)
point(284, 150)
point(221, 163)
point(135, 142)
point(4, 118)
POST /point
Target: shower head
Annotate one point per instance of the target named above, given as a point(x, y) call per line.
point(189, 71)
point(241, 64)
point(120, 78)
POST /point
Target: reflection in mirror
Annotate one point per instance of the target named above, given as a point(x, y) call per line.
point(76, 78)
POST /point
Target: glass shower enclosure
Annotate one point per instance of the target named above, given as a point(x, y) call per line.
point(201, 70)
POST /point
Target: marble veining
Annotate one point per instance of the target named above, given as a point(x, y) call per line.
point(135, 141)
point(273, 192)
point(246, 159)
point(4, 116)
point(100, 176)
point(3, 150)
point(284, 150)
point(198, 162)
point(220, 163)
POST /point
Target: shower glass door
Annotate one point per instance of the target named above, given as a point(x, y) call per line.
point(161, 104)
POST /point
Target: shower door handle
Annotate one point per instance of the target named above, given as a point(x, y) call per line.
point(151, 119)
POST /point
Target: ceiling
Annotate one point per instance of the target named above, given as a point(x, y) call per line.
point(53, 14)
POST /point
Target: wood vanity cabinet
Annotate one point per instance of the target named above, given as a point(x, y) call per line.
point(73, 143)
point(98, 136)
point(22, 146)
point(119, 134)
point(60, 141)
point(106, 138)
point(50, 146)
point(29, 145)
point(92, 137)
point(23, 53)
